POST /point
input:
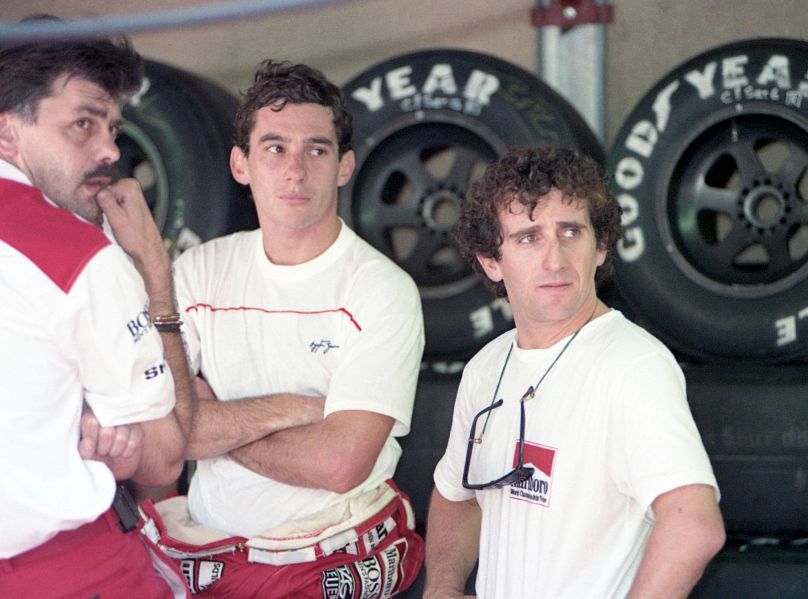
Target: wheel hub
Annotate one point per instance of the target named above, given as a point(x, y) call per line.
point(764, 207)
point(440, 210)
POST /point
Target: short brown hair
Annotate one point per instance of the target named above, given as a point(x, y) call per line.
point(28, 69)
point(275, 84)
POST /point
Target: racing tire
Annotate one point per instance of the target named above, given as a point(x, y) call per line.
point(710, 170)
point(425, 125)
point(176, 141)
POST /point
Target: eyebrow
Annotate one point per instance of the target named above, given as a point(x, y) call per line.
point(564, 224)
point(315, 139)
point(100, 113)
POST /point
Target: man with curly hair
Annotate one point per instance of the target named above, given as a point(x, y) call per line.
point(308, 344)
point(573, 468)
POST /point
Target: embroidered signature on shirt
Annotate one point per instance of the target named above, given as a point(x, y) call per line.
point(323, 344)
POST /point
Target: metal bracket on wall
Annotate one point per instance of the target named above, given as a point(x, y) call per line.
point(571, 53)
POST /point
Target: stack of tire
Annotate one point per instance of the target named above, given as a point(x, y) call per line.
point(710, 170)
point(176, 141)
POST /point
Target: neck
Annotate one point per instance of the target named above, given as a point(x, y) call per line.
point(286, 247)
point(547, 335)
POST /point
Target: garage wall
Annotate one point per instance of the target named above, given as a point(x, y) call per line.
point(647, 39)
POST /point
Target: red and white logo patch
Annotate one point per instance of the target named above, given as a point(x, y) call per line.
point(535, 489)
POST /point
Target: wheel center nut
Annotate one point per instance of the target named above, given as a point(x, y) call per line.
point(441, 210)
point(764, 206)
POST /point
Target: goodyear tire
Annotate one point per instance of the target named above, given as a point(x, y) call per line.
point(176, 141)
point(425, 125)
point(710, 169)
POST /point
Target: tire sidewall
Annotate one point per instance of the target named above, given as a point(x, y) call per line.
point(695, 316)
point(187, 122)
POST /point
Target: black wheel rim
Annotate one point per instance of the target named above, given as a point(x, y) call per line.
point(737, 209)
point(407, 198)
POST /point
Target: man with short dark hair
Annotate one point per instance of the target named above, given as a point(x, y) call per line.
point(573, 467)
point(78, 330)
point(309, 342)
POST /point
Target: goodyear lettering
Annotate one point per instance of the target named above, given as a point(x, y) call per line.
point(730, 80)
point(439, 90)
point(482, 319)
point(786, 328)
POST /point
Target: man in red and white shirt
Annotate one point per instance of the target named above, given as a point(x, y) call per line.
point(89, 397)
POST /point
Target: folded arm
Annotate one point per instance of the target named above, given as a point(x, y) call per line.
point(337, 453)
point(222, 426)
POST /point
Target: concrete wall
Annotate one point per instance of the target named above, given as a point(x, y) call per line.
point(646, 40)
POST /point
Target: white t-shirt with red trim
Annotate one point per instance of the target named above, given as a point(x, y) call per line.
point(74, 329)
point(346, 325)
point(607, 432)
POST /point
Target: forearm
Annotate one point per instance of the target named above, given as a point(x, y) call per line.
point(686, 536)
point(163, 452)
point(222, 426)
point(452, 545)
point(336, 454)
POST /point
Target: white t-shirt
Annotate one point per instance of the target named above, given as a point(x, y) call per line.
point(75, 328)
point(346, 325)
point(608, 431)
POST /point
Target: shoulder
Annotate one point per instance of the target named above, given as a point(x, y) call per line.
point(377, 273)
point(619, 338)
point(490, 356)
point(53, 239)
point(218, 250)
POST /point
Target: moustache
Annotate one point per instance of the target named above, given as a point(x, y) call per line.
point(103, 171)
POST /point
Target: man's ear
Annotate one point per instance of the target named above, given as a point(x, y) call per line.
point(238, 165)
point(8, 136)
point(491, 267)
point(347, 164)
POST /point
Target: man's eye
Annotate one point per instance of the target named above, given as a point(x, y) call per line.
point(275, 149)
point(82, 123)
point(527, 238)
point(318, 151)
point(572, 233)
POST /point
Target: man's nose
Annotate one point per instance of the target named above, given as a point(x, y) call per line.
point(108, 151)
point(295, 166)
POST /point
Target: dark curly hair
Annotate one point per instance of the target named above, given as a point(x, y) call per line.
point(277, 83)
point(29, 69)
point(526, 175)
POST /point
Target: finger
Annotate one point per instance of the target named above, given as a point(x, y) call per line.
point(89, 424)
point(87, 448)
point(106, 438)
point(135, 441)
point(120, 439)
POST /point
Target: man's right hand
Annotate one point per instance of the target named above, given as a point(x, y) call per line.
point(119, 447)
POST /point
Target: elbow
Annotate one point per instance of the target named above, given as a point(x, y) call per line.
point(161, 474)
point(717, 538)
point(344, 473)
